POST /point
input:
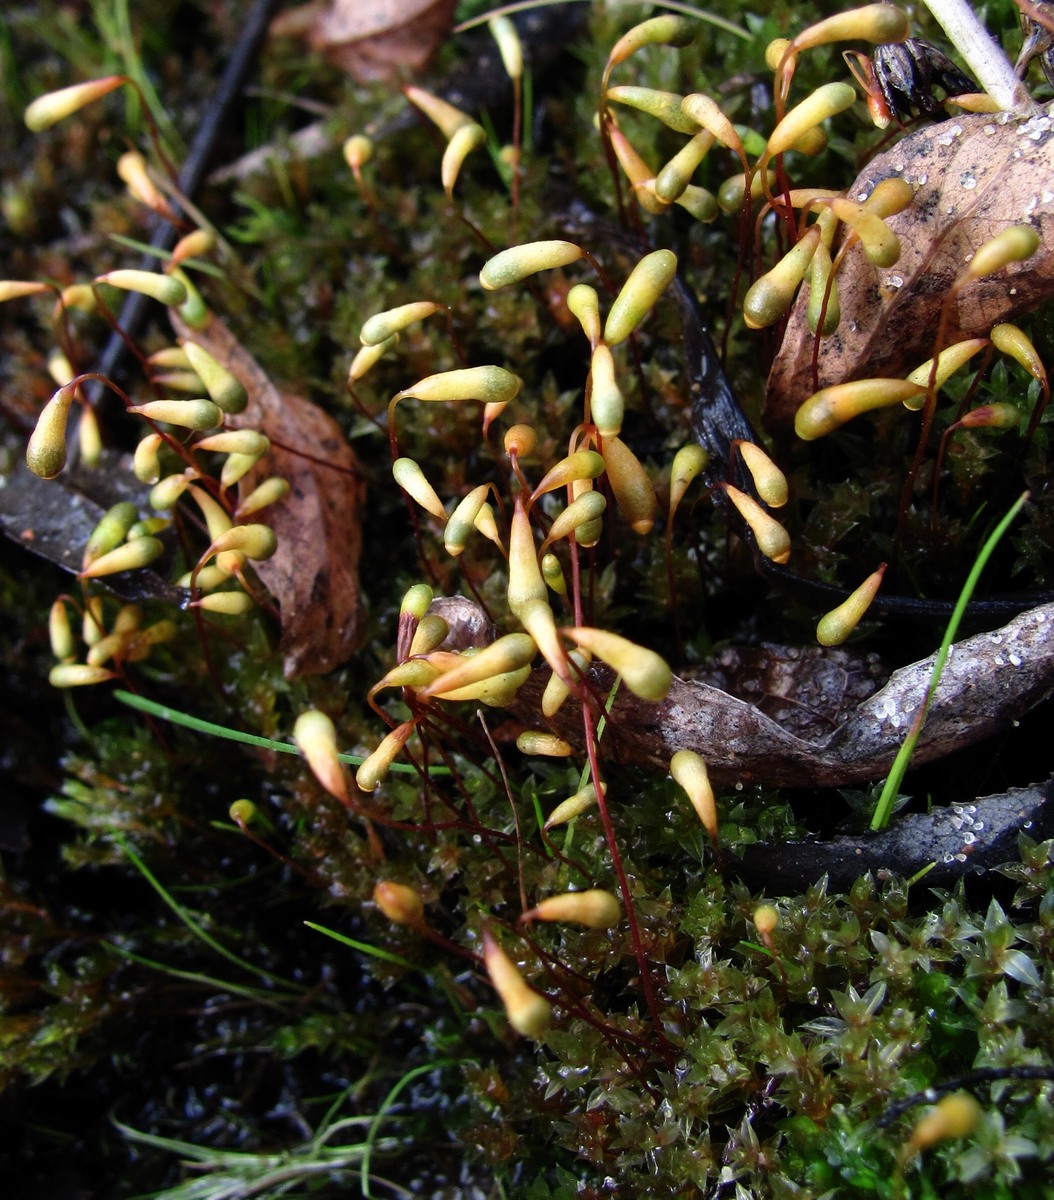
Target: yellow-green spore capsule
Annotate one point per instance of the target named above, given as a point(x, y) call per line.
point(663, 106)
point(676, 175)
point(111, 530)
point(574, 806)
point(587, 507)
point(465, 140)
point(708, 115)
point(578, 465)
point(823, 294)
point(166, 492)
point(508, 653)
point(52, 107)
point(949, 361)
point(666, 30)
point(689, 771)
point(953, 1116)
point(193, 310)
point(770, 296)
point(409, 476)
point(828, 100)
point(489, 384)
point(606, 403)
point(46, 450)
point(1010, 339)
point(834, 627)
point(582, 300)
point(526, 584)
point(871, 23)
point(128, 557)
point(528, 1012)
point(463, 519)
point(225, 391)
point(633, 490)
point(367, 357)
point(687, 464)
point(429, 635)
point(553, 574)
point(507, 39)
point(831, 407)
point(644, 672)
point(731, 193)
point(316, 738)
point(1014, 244)
point(228, 604)
point(399, 903)
point(375, 767)
point(772, 539)
point(198, 415)
point(443, 114)
point(593, 908)
point(890, 196)
point(60, 632)
point(539, 742)
point(700, 203)
point(267, 492)
point(236, 441)
point(164, 288)
point(384, 325)
point(880, 243)
point(67, 675)
point(646, 283)
point(557, 690)
point(518, 262)
point(769, 480)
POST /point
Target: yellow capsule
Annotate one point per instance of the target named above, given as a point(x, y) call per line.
point(206, 579)
point(384, 325)
point(508, 653)
point(537, 741)
point(834, 627)
point(166, 289)
point(224, 390)
point(666, 30)
point(589, 533)
point(15, 289)
point(775, 51)
point(537, 618)
point(445, 115)
point(702, 204)
point(520, 441)
point(46, 450)
point(770, 296)
point(528, 1012)
point(676, 175)
point(409, 476)
point(731, 193)
point(78, 675)
point(707, 114)
point(992, 416)
point(487, 524)
point(243, 813)
point(827, 409)
point(217, 518)
point(193, 309)
point(368, 357)
point(230, 604)
point(689, 772)
point(92, 628)
point(587, 507)
point(357, 151)
point(948, 362)
point(401, 904)
point(188, 382)
point(89, 437)
point(165, 493)
point(553, 574)
point(193, 245)
point(375, 767)
point(828, 100)
point(462, 520)
point(630, 485)
point(772, 539)
point(766, 917)
point(416, 601)
point(1014, 244)
point(465, 140)
point(606, 405)
point(823, 286)
point(149, 527)
point(663, 106)
point(688, 463)
point(890, 196)
point(574, 806)
point(644, 672)
point(490, 384)
point(236, 441)
point(518, 262)
point(1009, 339)
point(956, 1115)
point(497, 691)
point(236, 467)
point(647, 281)
point(769, 480)
point(880, 243)
point(507, 38)
point(60, 632)
point(254, 541)
point(46, 110)
point(129, 618)
point(594, 908)
point(106, 648)
point(558, 689)
point(580, 464)
point(316, 738)
point(129, 557)
point(131, 170)
point(871, 23)
point(198, 415)
point(525, 577)
point(582, 301)
point(636, 169)
point(110, 531)
point(431, 632)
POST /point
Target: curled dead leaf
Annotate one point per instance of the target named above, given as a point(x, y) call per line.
point(314, 573)
point(973, 177)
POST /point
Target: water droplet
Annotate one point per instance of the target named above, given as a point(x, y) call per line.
point(894, 281)
point(968, 180)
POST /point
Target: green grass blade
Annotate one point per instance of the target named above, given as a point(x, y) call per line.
point(363, 947)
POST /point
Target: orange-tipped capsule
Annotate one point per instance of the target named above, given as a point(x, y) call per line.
point(409, 476)
point(646, 283)
point(594, 908)
point(465, 140)
point(574, 806)
point(606, 404)
point(769, 480)
point(948, 362)
point(956, 1115)
point(489, 384)
point(193, 245)
point(528, 1012)
point(644, 672)
point(1014, 244)
point(383, 325)
point(48, 109)
point(772, 539)
point(518, 262)
point(635, 168)
point(663, 106)
point(578, 465)
point(630, 485)
point(834, 627)
point(881, 245)
point(689, 772)
point(316, 737)
point(676, 175)
point(401, 904)
point(582, 301)
point(827, 101)
point(225, 391)
point(46, 450)
point(831, 407)
point(166, 289)
point(770, 296)
point(448, 118)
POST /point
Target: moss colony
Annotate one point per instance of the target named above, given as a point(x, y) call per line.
point(422, 453)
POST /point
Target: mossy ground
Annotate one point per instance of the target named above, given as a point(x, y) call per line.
point(156, 973)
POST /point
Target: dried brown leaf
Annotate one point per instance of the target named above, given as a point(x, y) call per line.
point(974, 176)
point(314, 574)
point(375, 40)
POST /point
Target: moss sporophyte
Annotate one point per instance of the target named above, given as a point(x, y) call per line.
point(537, 833)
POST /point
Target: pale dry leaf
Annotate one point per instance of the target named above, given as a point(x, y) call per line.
point(974, 176)
point(373, 40)
point(314, 573)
